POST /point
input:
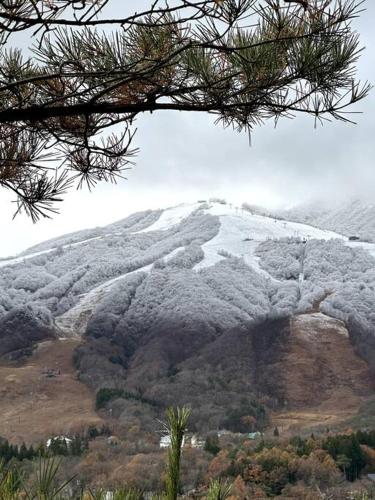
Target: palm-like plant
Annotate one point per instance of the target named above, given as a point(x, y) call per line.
point(175, 427)
point(9, 483)
point(45, 485)
point(219, 490)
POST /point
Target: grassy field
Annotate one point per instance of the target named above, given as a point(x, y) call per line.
point(35, 405)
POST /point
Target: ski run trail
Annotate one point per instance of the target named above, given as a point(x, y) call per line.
point(239, 235)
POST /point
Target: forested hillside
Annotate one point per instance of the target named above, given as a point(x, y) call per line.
point(352, 218)
point(190, 305)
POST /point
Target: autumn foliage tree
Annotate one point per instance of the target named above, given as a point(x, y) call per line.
point(86, 75)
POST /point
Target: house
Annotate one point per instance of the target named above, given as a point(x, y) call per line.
point(223, 432)
point(254, 435)
point(51, 372)
point(59, 439)
point(166, 441)
point(195, 442)
point(113, 441)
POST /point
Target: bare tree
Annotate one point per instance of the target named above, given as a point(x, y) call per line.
point(84, 75)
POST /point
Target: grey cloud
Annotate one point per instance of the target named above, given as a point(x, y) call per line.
point(185, 156)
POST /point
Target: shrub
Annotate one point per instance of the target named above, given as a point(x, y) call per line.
point(248, 417)
point(104, 395)
point(212, 444)
point(347, 453)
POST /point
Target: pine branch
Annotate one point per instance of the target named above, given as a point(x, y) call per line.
point(241, 60)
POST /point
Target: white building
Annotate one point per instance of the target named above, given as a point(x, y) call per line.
point(59, 439)
point(196, 442)
point(165, 441)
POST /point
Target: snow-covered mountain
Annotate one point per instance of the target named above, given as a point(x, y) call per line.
point(160, 290)
point(69, 276)
point(353, 218)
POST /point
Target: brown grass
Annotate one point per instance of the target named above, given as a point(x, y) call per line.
point(34, 406)
point(325, 380)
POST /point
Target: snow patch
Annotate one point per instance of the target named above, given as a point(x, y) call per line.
point(74, 321)
point(19, 260)
point(23, 258)
point(241, 232)
point(171, 217)
point(173, 253)
point(369, 247)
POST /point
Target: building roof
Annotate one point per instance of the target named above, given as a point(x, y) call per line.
point(59, 439)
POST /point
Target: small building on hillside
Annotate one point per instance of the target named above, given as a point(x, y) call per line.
point(113, 441)
point(166, 441)
point(223, 432)
point(59, 440)
point(197, 442)
point(254, 435)
point(51, 372)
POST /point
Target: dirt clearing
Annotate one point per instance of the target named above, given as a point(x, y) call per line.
point(42, 396)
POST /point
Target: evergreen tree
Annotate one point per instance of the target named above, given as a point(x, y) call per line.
point(348, 446)
point(212, 444)
point(77, 445)
point(23, 452)
point(31, 453)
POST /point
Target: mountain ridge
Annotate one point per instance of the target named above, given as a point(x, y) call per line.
point(353, 218)
point(159, 300)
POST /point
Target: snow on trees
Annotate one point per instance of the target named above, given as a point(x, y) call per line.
point(222, 294)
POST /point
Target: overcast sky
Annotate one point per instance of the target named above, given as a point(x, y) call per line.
point(184, 157)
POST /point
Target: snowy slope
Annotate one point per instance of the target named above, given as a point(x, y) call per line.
point(157, 220)
point(369, 247)
point(241, 232)
point(172, 217)
point(70, 276)
point(22, 258)
point(352, 218)
point(132, 223)
point(193, 304)
point(74, 321)
point(19, 260)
